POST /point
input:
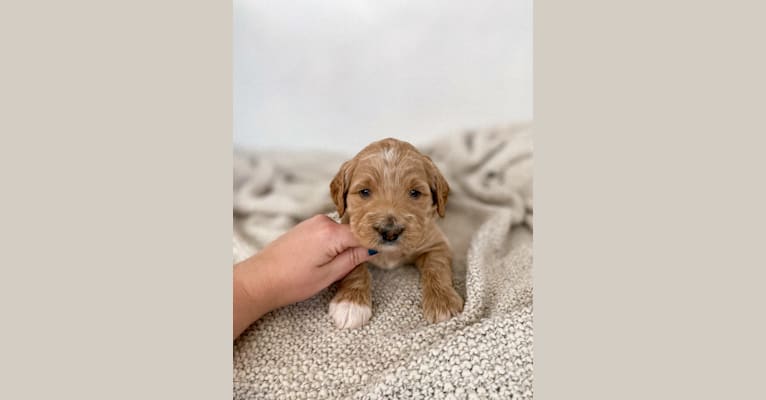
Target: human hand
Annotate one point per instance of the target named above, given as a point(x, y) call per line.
point(294, 267)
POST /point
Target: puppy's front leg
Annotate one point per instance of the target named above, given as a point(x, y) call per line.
point(352, 305)
point(440, 300)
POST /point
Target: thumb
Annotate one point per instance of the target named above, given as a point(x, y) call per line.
point(344, 262)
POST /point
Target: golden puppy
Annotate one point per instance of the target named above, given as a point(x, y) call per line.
point(390, 194)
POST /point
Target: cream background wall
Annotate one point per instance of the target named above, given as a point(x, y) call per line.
point(339, 74)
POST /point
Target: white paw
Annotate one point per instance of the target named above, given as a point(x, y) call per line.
point(348, 315)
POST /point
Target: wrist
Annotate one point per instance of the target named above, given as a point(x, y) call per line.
point(251, 297)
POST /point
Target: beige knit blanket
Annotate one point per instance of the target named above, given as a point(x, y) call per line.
point(485, 352)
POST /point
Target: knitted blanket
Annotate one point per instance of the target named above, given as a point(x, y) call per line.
point(485, 352)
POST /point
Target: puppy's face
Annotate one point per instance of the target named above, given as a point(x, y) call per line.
point(390, 193)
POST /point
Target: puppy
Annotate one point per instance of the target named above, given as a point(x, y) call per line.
point(390, 195)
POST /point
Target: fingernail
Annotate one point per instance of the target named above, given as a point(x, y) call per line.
point(372, 252)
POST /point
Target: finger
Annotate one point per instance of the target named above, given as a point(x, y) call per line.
point(343, 239)
point(348, 260)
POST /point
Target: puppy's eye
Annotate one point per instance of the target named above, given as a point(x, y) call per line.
point(414, 194)
point(364, 193)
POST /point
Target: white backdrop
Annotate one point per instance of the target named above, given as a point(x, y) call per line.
point(339, 74)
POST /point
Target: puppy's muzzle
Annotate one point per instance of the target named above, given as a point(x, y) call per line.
point(389, 231)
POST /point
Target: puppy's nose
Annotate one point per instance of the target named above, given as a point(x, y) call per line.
point(390, 232)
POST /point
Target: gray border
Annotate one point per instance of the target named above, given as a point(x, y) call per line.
point(649, 200)
point(115, 154)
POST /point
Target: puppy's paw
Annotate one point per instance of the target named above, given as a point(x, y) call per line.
point(349, 315)
point(442, 305)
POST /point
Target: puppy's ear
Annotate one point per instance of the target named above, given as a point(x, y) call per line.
point(439, 186)
point(339, 187)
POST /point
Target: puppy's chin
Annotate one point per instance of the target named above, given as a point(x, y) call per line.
point(387, 247)
point(402, 246)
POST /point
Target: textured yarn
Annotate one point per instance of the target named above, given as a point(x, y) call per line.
point(483, 353)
